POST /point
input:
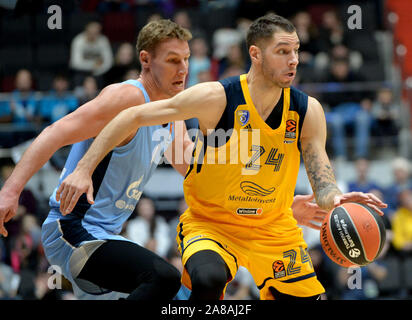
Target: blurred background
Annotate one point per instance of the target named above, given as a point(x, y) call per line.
point(362, 76)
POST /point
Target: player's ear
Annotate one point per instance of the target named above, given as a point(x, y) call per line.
point(144, 57)
point(255, 53)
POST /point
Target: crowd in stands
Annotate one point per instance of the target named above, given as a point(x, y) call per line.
point(102, 51)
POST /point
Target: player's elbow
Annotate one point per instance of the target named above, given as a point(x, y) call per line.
point(56, 132)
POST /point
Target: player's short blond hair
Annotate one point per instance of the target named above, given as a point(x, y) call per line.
point(159, 30)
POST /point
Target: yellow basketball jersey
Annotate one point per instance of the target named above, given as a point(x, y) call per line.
point(245, 171)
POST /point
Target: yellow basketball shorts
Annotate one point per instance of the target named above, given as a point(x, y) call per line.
point(276, 255)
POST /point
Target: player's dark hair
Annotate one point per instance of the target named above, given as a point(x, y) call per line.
point(264, 27)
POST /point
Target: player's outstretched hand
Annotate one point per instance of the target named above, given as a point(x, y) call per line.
point(9, 203)
point(306, 212)
point(72, 188)
point(368, 199)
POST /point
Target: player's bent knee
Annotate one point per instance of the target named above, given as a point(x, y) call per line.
point(208, 281)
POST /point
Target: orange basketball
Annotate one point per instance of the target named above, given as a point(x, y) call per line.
point(352, 234)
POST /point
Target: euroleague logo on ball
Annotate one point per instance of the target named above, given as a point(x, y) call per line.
point(354, 253)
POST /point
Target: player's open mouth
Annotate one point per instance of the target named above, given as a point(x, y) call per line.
point(290, 75)
point(178, 83)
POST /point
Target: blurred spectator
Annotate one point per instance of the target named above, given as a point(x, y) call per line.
point(124, 60)
point(154, 16)
point(366, 285)
point(333, 36)
point(182, 18)
point(401, 169)
point(59, 102)
point(307, 33)
point(20, 111)
point(148, 229)
point(323, 60)
point(362, 183)
point(199, 60)
point(131, 74)
point(24, 254)
point(88, 91)
point(9, 280)
point(223, 39)
point(23, 101)
point(340, 73)
point(387, 115)
point(234, 60)
point(331, 31)
point(91, 53)
point(347, 110)
point(402, 224)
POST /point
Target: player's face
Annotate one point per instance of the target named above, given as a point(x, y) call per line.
point(170, 65)
point(280, 58)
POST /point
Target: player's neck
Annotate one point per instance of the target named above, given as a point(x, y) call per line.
point(151, 87)
point(264, 95)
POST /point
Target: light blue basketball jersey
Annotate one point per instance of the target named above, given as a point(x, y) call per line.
point(118, 183)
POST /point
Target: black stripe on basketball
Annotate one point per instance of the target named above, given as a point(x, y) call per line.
point(381, 225)
point(346, 237)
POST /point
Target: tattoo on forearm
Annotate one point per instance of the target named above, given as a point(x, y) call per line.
point(321, 178)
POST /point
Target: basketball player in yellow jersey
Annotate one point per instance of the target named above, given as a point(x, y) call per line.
point(240, 193)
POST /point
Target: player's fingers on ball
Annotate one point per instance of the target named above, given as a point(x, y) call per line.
point(377, 200)
point(377, 204)
point(378, 211)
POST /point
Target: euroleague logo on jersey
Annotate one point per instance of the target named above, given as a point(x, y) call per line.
point(278, 269)
point(290, 129)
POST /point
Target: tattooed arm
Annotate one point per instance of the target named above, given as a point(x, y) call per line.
point(318, 167)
